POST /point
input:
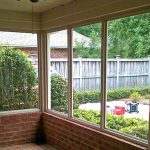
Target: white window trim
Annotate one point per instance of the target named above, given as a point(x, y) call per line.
point(39, 108)
point(103, 82)
point(13, 112)
point(70, 76)
point(103, 74)
point(43, 71)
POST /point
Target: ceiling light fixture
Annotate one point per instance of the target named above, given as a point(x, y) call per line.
point(34, 1)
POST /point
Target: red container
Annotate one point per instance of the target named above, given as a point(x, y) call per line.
point(119, 110)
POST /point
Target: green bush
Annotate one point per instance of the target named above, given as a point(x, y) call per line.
point(17, 81)
point(88, 96)
point(140, 131)
point(118, 93)
point(131, 126)
point(88, 115)
point(59, 100)
point(114, 94)
point(135, 96)
point(58, 94)
point(119, 122)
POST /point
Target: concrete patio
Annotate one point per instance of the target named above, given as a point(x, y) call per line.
point(143, 109)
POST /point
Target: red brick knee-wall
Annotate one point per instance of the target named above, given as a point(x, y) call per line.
point(19, 128)
point(67, 135)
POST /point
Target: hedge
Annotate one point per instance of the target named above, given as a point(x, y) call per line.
point(114, 94)
point(88, 96)
point(132, 126)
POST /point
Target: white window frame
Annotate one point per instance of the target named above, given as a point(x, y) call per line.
point(102, 127)
point(39, 108)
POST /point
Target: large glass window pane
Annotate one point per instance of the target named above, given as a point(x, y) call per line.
point(18, 71)
point(58, 60)
point(87, 72)
point(128, 75)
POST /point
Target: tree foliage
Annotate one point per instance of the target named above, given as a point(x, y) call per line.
point(94, 48)
point(128, 37)
point(88, 29)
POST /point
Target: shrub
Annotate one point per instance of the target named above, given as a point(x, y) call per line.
point(17, 80)
point(131, 126)
point(88, 96)
point(135, 96)
point(118, 93)
point(140, 131)
point(58, 94)
point(88, 115)
point(119, 122)
point(59, 100)
point(114, 94)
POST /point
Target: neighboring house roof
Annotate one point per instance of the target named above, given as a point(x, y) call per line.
point(16, 39)
point(57, 39)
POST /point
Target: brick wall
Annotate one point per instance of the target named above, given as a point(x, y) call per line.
point(55, 53)
point(20, 128)
point(30, 50)
point(59, 132)
point(59, 53)
point(67, 135)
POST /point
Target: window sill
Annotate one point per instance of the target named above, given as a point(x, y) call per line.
point(5, 113)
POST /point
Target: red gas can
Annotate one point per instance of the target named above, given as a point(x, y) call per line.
point(119, 110)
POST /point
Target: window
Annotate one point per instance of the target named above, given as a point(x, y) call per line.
point(117, 97)
point(87, 72)
point(58, 67)
point(18, 71)
point(128, 72)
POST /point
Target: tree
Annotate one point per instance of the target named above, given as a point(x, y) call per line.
point(17, 80)
point(95, 45)
point(81, 50)
point(88, 29)
point(94, 48)
point(129, 36)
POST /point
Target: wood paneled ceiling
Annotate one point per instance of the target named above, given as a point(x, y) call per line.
point(26, 5)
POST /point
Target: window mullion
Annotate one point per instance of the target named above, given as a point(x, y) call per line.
point(103, 73)
point(70, 82)
point(42, 71)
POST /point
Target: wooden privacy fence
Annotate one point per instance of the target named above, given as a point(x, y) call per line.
point(87, 72)
point(120, 72)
